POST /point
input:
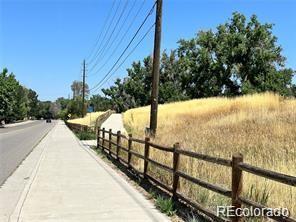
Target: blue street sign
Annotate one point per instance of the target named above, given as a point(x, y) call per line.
point(90, 109)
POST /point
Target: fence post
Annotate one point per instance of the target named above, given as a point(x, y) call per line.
point(146, 156)
point(98, 137)
point(118, 142)
point(176, 157)
point(129, 155)
point(103, 141)
point(236, 184)
point(110, 139)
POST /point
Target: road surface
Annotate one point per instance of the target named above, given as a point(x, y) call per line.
point(17, 142)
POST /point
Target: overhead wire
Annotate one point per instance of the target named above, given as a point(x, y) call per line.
point(99, 52)
point(101, 32)
point(105, 35)
point(121, 40)
point(107, 43)
point(143, 37)
point(129, 44)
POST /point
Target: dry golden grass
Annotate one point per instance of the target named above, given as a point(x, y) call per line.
point(88, 120)
point(262, 127)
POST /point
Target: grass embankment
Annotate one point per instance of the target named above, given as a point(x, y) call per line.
point(262, 127)
point(88, 120)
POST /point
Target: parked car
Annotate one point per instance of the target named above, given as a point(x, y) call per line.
point(48, 120)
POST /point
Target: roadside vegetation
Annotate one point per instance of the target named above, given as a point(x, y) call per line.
point(85, 135)
point(18, 102)
point(239, 57)
point(261, 126)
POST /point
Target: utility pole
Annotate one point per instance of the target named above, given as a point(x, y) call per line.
point(83, 89)
point(155, 70)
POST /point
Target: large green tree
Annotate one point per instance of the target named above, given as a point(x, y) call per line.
point(240, 57)
point(8, 94)
point(33, 103)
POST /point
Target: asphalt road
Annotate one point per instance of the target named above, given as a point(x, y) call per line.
point(17, 142)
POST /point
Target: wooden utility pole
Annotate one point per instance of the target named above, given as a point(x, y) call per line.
point(155, 70)
point(83, 89)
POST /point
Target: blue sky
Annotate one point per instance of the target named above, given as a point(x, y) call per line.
point(45, 41)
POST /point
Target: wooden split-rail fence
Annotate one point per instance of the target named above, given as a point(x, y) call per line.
point(106, 140)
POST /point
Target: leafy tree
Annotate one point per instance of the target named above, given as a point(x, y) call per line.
point(138, 82)
point(21, 106)
point(241, 57)
point(77, 88)
point(33, 103)
point(100, 103)
point(8, 93)
point(121, 100)
point(170, 88)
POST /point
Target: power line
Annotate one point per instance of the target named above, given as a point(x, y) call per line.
point(107, 31)
point(122, 38)
point(137, 32)
point(143, 37)
point(101, 53)
point(101, 32)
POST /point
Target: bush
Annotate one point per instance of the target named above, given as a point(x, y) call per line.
point(86, 135)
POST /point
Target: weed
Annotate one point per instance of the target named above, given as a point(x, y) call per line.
point(165, 205)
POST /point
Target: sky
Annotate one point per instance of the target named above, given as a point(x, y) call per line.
point(44, 42)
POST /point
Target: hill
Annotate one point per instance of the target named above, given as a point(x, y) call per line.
point(88, 120)
point(261, 126)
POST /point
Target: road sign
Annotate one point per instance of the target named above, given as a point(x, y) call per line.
point(90, 109)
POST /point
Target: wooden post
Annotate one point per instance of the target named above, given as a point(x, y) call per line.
point(237, 184)
point(118, 142)
point(98, 137)
point(103, 141)
point(176, 157)
point(146, 155)
point(155, 69)
point(110, 139)
point(129, 155)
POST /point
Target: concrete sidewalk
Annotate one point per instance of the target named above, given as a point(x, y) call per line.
point(70, 183)
point(115, 123)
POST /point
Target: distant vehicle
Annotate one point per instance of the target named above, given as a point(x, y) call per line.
point(48, 120)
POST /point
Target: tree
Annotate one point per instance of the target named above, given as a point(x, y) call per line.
point(33, 103)
point(121, 100)
point(138, 82)
point(241, 57)
point(77, 88)
point(100, 103)
point(8, 93)
point(169, 83)
point(21, 106)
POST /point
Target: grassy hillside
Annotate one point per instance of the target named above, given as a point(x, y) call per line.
point(88, 120)
point(262, 127)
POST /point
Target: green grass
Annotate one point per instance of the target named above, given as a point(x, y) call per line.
point(86, 135)
point(165, 205)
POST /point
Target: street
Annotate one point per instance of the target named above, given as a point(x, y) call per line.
point(17, 142)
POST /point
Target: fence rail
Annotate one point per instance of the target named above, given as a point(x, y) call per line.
point(237, 166)
point(77, 127)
